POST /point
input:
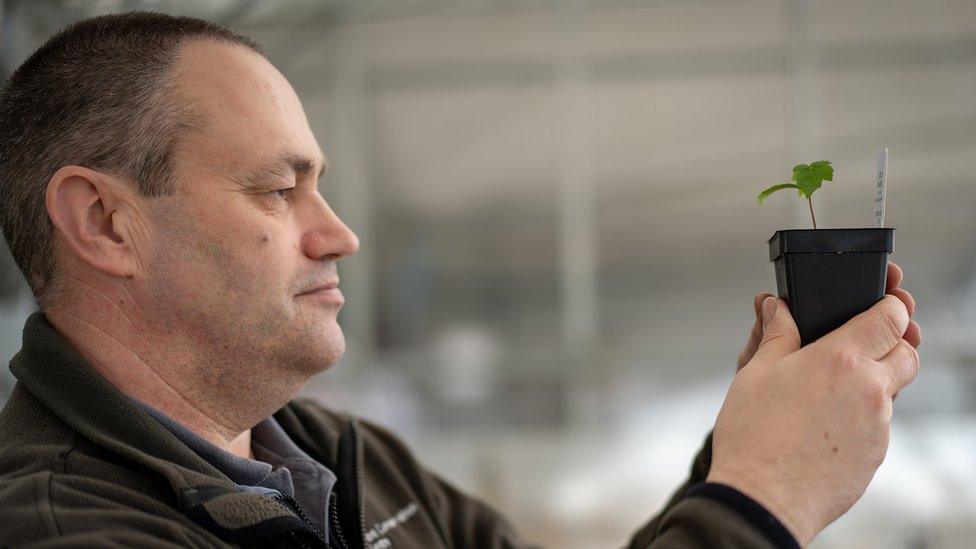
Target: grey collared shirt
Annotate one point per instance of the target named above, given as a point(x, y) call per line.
point(280, 465)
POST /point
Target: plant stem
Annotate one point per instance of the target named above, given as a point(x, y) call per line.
point(810, 200)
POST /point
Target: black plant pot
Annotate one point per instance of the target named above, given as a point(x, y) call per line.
point(828, 276)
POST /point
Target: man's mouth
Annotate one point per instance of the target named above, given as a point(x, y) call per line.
point(328, 291)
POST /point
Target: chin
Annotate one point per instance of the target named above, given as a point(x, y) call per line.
point(312, 349)
point(330, 349)
point(312, 362)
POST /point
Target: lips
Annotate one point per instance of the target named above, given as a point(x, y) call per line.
point(331, 285)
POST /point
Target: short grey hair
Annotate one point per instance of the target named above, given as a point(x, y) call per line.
point(98, 94)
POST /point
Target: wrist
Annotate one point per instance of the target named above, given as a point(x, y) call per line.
point(775, 504)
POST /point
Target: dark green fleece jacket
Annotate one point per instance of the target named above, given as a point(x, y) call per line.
point(81, 466)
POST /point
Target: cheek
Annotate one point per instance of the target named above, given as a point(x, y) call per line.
point(226, 264)
point(253, 260)
point(263, 262)
point(275, 250)
point(231, 254)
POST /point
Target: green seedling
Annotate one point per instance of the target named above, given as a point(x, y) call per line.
point(807, 178)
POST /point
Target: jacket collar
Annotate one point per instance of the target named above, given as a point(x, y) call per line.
point(57, 375)
point(60, 378)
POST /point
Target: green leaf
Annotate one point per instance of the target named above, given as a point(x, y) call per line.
point(809, 177)
point(763, 195)
point(823, 169)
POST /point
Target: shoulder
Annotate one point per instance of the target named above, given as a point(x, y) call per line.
point(32, 438)
point(25, 506)
point(59, 488)
point(71, 510)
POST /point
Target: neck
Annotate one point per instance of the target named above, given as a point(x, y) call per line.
point(196, 387)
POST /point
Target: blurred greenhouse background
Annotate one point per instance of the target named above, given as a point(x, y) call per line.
point(560, 238)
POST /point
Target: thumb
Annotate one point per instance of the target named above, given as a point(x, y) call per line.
point(780, 336)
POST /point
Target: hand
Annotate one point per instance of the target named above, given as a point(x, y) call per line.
point(893, 287)
point(802, 431)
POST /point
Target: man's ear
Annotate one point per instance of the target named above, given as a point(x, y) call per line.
point(90, 210)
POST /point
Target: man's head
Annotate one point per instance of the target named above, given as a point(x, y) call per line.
point(98, 94)
point(143, 162)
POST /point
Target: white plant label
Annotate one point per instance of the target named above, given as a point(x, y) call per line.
point(879, 192)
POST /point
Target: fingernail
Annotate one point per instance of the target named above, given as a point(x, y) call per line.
point(768, 310)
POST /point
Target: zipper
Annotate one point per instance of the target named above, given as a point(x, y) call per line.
point(360, 484)
point(334, 520)
point(293, 503)
point(349, 469)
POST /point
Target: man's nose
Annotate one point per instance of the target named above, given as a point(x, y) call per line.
point(327, 235)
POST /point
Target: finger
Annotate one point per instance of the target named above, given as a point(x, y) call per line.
point(757, 304)
point(750, 348)
point(901, 366)
point(755, 335)
point(780, 336)
point(905, 298)
point(873, 333)
point(895, 276)
point(913, 334)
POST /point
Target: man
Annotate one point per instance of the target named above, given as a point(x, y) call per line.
point(159, 194)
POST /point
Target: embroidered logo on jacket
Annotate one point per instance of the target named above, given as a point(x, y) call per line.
point(376, 536)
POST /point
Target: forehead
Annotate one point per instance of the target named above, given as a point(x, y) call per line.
point(248, 114)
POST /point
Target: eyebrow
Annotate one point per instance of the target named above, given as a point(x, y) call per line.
point(283, 166)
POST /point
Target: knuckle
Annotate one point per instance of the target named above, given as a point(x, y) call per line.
point(878, 398)
point(891, 318)
point(901, 365)
point(884, 326)
point(874, 395)
point(912, 360)
point(844, 361)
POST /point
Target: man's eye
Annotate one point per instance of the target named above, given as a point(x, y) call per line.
point(282, 193)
